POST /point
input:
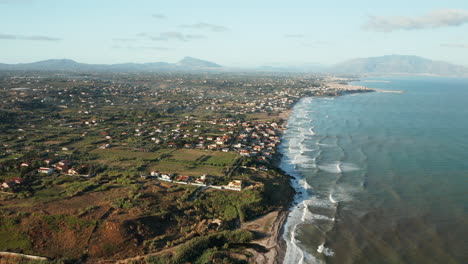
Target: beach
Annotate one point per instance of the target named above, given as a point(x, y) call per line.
point(271, 226)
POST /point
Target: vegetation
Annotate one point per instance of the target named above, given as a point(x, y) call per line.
point(102, 135)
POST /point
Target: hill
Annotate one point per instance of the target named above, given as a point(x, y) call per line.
point(186, 64)
point(398, 64)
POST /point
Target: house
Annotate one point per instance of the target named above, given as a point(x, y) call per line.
point(47, 161)
point(105, 146)
point(212, 146)
point(235, 184)
point(46, 170)
point(18, 180)
point(24, 164)
point(166, 177)
point(155, 173)
point(61, 167)
point(245, 153)
point(72, 171)
point(64, 163)
point(204, 179)
point(184, 178)
point(8, 184)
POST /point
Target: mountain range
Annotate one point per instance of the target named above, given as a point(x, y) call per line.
point(398, 64)
point(186, 64)
point(389, 64)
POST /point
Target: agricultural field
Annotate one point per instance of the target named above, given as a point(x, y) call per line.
point(77, 151)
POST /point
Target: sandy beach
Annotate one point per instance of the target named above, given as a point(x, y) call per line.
point(269, 229)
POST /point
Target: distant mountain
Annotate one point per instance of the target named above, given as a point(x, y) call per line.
point(398, 64)
point(186, 64)
point(196, 63)
point(300, 67)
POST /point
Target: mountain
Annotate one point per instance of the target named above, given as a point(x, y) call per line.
point(398, 64)
point(186, 64)
point(196, 63)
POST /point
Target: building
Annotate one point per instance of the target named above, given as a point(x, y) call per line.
point(235, 184)
point(46, 170)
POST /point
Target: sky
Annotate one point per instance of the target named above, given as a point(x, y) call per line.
point(237, 33)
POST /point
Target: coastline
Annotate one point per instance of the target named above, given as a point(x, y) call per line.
point(274, 242)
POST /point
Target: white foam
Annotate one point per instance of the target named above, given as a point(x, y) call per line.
point(330, 197)
point(338, 167)
point(311, 130)
point(330, 167)
point(324, 250)
point(320, 248)
point(325, 145)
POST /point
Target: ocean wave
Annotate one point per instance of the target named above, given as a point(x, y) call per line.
point(338, 167)
point(326, 251)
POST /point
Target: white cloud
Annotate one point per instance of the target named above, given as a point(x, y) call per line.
point(174, 35)
point(454, 45)
point(158, 16)
point(435, 19)
point(295, 36)
point(34, 37)
point(211, 27)
point(140, 48)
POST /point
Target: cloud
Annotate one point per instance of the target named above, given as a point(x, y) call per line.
point(317, 44)
point(454, 45)
point(172, 35)
point(435, 19)
point(140, 47)
point(295, 36)
point(34, 37)
point(124, 39)
point(206, 26)
point(159, 16)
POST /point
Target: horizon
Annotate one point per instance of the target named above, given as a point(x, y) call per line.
point(319, 66)
point(248, 35)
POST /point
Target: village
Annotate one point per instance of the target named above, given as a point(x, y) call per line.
point(137, 163)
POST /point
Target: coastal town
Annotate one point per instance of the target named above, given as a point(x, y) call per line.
point(164, 160)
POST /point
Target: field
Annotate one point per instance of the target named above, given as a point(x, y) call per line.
point(195, 162)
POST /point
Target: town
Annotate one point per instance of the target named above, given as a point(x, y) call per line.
point(140, 163)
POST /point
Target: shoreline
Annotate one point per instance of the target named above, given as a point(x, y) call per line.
point(275, 243)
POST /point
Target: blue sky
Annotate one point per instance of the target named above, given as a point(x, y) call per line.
point(231, 33)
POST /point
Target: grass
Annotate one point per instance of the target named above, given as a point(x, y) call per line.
point(11, 237)
point(204, 156)
point(169, 166)
point(123, 153)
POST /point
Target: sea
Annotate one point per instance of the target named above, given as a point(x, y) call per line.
point(380, 177)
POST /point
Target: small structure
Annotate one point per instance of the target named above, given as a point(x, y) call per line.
point(46, 170)
point(184, 178)
point(72, 171)
point(105, 146)
point(64, 163)
point(155, 173)
point(204, 179)
point(18, 180)
point(235, 184)
point(166, 177)
point(8, 184)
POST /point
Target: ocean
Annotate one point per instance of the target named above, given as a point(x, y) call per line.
point(381, 177)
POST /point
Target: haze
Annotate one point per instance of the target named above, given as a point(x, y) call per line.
point(236, 33)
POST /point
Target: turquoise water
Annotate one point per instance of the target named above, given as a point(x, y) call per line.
point(382, 177)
